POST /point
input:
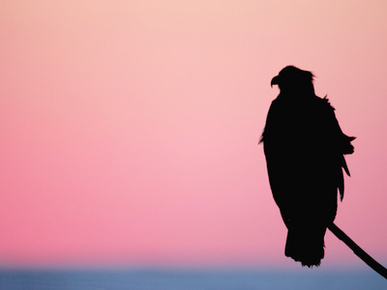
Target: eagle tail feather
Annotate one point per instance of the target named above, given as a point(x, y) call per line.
point(305, 246)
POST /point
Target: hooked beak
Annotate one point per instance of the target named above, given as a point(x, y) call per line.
point(274, 81)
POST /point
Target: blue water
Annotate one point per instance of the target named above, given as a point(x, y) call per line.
point(199, 279)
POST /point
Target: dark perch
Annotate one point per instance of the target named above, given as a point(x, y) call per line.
point(358, 251)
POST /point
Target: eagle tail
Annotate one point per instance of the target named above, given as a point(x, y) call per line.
point(306, 246)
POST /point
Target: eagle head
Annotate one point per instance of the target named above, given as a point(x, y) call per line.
point(291, 79)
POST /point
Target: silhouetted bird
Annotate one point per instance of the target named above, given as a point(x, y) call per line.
point(304, 148)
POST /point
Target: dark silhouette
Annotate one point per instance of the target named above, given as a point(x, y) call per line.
point(304, 148)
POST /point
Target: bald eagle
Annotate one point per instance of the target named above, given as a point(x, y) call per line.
point(304, 149)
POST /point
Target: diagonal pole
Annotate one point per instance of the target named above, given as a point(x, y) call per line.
point(358, 251)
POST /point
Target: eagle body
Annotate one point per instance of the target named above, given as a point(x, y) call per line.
point(304, 149)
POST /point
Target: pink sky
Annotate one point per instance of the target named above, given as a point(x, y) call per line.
point(129, 129)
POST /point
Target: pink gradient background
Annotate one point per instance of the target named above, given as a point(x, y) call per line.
point(129, 129)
